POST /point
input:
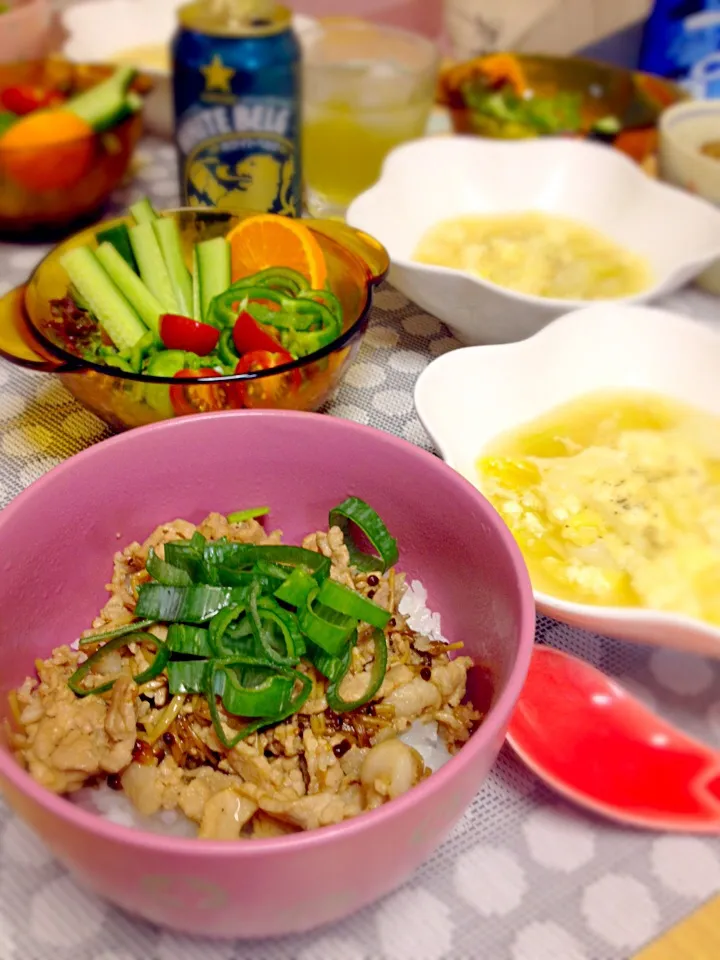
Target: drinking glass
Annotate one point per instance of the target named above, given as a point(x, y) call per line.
point(367, 89)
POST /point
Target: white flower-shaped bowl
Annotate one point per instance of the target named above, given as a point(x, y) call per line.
point(433, 179)
point(469, 396)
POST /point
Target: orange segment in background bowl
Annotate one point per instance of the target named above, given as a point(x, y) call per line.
point(267, 240)
point(58, 165)
point(47, 150)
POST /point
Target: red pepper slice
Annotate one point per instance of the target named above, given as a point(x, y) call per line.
point(183, 333)
point(186, 399)
point(24, 99)
point(249, 336)
point(267, 391)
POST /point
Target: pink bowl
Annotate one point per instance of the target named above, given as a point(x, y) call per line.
point(57, 540)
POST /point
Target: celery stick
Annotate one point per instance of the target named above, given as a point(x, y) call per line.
point(125, 279)
point(143, 211)
point(168, 236)
point(213, 259)
point(152, 266)
point(113, 312)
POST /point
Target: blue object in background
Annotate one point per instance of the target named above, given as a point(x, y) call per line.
point(681, 41)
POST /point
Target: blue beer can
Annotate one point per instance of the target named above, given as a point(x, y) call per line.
point(237, 77)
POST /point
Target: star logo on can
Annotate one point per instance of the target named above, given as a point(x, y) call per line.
point(217, 75)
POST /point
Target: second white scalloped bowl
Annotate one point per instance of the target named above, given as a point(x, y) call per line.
point(468, 397)
point(433, 179)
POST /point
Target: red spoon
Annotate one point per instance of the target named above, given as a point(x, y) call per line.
point(593, 742)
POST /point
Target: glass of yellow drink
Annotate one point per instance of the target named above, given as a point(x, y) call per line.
point(367, 89)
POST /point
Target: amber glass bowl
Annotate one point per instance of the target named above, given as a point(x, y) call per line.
point(635, 99)
point(355, 264)
point(93, 166)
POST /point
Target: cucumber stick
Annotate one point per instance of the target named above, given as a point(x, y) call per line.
point(168, 236)
point(103, 105)
point(145, 303)
point(113, 312)
point(152, 266)
point(213, 261)
point(197, 308)
point(119, 237)
point(143, 211)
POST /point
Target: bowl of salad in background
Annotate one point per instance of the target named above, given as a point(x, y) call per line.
point(300, 465)
point(25, 28)
point(155, 316)
point(512, 96)
point(67, 135)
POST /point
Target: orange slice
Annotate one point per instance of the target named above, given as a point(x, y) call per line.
point(47, 150)
point(269, 240)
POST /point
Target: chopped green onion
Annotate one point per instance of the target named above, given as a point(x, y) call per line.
point(292, 707)
point(155, 669)
point(292, 643)
point(230, 554)
point(338, 597)
point(240, 516)
point(186, 554)
point(264, 699)
point(218, 628)
point(273, 571)
point(165, 572)
point(334, 668)
point(195, 604)
point(238, 577)
point(377, 675)
point(188, 640)
point(187, 676)
point(354, 510)
point(117, 632)
point(160, 661)
point(294, 591)
point(252, 640)
point(325, 627)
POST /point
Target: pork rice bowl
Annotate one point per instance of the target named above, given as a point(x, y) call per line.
point(234, 687)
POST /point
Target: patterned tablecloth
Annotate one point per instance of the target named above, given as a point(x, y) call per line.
point(524, 876)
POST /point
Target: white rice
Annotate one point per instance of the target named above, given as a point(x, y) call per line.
point(116, 807)
point(413, 606)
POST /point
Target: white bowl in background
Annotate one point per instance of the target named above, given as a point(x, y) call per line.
point(425, 181)
point(467, 397)
point(683, 129)
point(100, 30)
